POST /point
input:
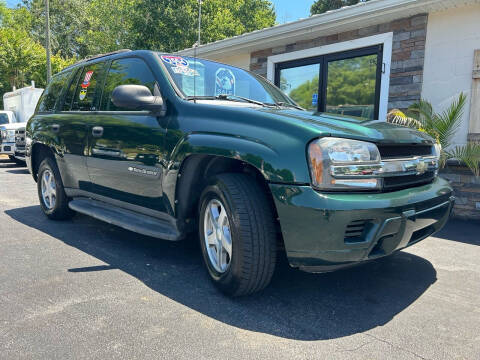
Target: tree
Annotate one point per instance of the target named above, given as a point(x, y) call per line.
point(86, 27)
point(68, 22)
point(110, 26)
point(321, 6)
point(171, 25)
point(22, 58)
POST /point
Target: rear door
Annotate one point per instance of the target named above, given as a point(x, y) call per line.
point(80, 101)
point(126, 148)
point(55, 126)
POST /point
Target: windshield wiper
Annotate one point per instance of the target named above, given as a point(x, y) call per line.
point(237, 97)
point(229, 98)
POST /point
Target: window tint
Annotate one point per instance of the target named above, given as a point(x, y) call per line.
point(51, 97)
point(88, 87)
point(124, 72)
point(67, 104)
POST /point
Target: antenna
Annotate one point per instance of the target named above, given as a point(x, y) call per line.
point(196, 45)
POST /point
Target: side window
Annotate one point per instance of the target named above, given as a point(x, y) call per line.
point(67, 104)
point(124, 72)
point(88, 87)
point(52, 95)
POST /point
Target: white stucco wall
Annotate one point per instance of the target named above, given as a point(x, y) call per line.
point(452, 37)
point(240, 60)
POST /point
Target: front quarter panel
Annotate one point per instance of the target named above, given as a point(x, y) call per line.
point(257, 154)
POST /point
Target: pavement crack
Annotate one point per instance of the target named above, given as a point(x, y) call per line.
point(357, 348)
point(396, 346)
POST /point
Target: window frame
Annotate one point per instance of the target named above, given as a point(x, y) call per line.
point(324, 60)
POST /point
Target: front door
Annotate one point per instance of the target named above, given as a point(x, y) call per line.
point(125, 150)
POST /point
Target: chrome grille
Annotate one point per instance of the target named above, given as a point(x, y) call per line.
point(396, 151)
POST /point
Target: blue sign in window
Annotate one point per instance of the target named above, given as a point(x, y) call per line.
point(314, 99)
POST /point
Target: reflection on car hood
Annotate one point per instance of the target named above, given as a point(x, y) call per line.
point(351, 127)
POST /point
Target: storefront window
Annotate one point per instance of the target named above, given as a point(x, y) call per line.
point(346, 83)
point(301, 84)
point(351, 86)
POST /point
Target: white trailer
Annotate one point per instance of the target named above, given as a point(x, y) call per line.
point(22, 102)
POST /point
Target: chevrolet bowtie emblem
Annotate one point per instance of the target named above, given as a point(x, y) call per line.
point(422, 167)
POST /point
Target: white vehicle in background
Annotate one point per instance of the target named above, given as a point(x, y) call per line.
point(19, 106)
point(8, 123)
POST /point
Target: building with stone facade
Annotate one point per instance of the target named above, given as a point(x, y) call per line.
point(366, 59)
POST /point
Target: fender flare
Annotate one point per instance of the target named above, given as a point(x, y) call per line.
point(251, 151)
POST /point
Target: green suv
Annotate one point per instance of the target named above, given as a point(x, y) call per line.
point(165, 146)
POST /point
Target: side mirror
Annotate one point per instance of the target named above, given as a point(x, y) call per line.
point(137, 97)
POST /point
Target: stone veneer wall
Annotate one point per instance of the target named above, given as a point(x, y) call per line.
point(466, 188)
point(406, 76)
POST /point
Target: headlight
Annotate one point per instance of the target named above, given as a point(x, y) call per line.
point(333, 160)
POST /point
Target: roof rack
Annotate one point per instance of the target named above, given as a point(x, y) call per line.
point(97, 56)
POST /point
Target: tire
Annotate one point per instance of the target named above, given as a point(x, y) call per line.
point(57, 198)
point(249, 266)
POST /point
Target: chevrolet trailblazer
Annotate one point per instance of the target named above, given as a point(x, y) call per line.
point(164, 146)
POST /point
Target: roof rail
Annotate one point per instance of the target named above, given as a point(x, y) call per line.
point(97, 56)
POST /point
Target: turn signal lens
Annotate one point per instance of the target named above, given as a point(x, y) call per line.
point(316, 163)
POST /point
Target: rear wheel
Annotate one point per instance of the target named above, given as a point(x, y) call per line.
point(53, 200)
point(237, 234)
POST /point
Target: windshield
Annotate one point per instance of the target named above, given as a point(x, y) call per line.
point(203, 78)
point(3, 119)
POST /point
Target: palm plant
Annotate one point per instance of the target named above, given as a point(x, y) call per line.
point(442, 127)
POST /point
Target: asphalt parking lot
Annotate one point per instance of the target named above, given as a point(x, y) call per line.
point(82, 289)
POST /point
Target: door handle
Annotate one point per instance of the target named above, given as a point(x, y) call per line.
point(55, 128)
point(97, 131)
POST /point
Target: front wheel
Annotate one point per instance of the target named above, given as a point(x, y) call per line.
point(237, 234)
point(53, 200)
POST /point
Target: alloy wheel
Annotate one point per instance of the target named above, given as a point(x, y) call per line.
point(217, 236)
point(49, 189)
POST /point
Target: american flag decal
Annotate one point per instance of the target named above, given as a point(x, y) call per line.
point(86, 80)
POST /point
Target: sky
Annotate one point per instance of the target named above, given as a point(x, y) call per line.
point(287, 10)
point(291, 10)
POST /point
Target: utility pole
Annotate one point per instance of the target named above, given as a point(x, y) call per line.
point(47, 37)
point(199, 21)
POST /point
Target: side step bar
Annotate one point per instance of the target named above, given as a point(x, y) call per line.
point(133, 221)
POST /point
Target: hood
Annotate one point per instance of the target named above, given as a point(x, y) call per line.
point(14, 126)
point(322, 124)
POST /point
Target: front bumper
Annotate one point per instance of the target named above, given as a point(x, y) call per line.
point(7, 148)
point(316, 226)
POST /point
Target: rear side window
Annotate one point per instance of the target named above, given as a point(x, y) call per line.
point(52, 95)
point(88, 88)
point(127, 71)
point(67, 104)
